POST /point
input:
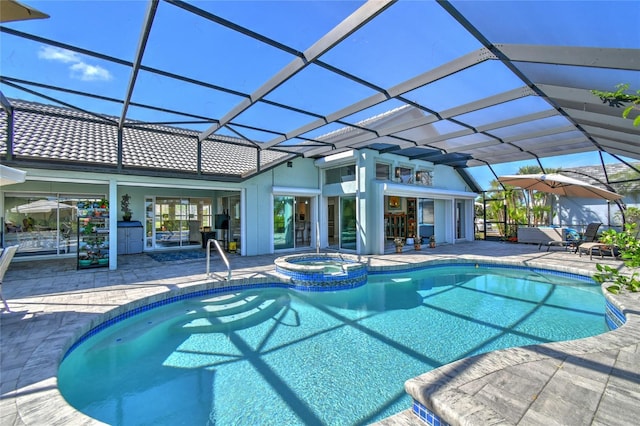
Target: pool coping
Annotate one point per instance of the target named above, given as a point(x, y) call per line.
point(439, 389)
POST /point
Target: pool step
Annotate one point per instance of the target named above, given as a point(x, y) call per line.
point(244, 313)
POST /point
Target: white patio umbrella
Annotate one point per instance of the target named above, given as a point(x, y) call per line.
point(9, 175)
point(11, 10)
point(40, 206)
point(558, 184)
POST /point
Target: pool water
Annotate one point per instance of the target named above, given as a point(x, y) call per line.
point(282, 357)
point(329, 267)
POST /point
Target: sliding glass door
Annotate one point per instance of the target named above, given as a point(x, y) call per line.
point(291, 222)
point(176, 221)
point(348, 223)
point(43, 223)
point(283, 222)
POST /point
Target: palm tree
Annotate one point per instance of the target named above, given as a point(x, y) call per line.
point(518, 207)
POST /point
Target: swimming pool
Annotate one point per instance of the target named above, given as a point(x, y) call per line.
point(279, 356)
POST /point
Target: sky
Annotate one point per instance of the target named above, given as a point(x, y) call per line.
point(404, 41)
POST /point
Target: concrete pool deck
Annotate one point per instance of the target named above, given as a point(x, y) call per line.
point(588, 381)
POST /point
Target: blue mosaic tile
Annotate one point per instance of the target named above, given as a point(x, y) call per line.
point(614, 317)
point(426, 415)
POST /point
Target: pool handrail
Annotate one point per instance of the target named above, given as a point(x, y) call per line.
point(224, 257)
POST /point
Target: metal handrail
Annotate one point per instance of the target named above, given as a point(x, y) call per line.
point(224, 257)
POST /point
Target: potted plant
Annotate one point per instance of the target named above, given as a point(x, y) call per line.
point(124, 206)
point(84, 260)
point(432, 241)
point(417, 242)
point(399, 242)
point(104, 203)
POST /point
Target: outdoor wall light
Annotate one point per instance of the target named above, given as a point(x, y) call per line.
point(289, 163)
point(398, 172)
point(418, 176)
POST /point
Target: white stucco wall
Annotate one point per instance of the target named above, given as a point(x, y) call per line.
point(301, 178)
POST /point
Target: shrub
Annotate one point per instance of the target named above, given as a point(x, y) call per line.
point(629, 248)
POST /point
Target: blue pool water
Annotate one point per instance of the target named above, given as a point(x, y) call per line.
point(282, 357)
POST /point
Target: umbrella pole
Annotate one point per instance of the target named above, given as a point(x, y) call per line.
point(529, 208)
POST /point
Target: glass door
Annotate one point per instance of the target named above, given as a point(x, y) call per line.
point(150, 229)
point(283, 218)
point(348, 223)
point(302, 221)
point(292, 218)
point(426, 218)
point(176, 221)
point(460, 219)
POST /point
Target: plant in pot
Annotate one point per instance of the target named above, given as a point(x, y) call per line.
point(124, 206)
point(417, 242)
point(399, 242)
point(83, 258)
point(432, 241)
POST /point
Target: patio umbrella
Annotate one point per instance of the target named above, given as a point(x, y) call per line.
point(11, 10)
point(9, 175)
point(558, 184)
point(40, 206)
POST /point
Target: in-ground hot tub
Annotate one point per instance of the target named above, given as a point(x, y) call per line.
point(323, 271)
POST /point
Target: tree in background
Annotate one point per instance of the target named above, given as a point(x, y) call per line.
point(520, 209)
point(631, 215)
point(629, 183)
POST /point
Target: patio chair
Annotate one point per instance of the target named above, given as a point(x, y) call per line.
point(601, 248)
point(5, 260)
point(590, 235)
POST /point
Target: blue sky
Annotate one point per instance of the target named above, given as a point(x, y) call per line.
point(407, 39)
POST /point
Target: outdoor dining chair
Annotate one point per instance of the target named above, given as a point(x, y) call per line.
point(5, 260)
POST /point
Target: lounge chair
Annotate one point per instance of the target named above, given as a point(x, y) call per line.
point(5, 260)
point(594, 244)
point(590, 235)
point(600, 247)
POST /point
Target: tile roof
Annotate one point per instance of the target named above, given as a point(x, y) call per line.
point(47, 132)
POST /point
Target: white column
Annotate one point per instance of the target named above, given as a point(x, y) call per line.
point(113, 224)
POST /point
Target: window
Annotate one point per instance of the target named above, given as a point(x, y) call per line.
point(404, 174)
point(424, 177)
point(382, 171)
point(44, 223)
point(340, 174)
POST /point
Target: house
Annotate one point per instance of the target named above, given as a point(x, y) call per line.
point(257, 201)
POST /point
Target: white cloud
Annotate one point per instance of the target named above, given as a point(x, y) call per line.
point(86, 72)
point(79, 68)
point(56, 54)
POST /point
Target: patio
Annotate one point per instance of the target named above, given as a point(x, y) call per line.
point(53, 304)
